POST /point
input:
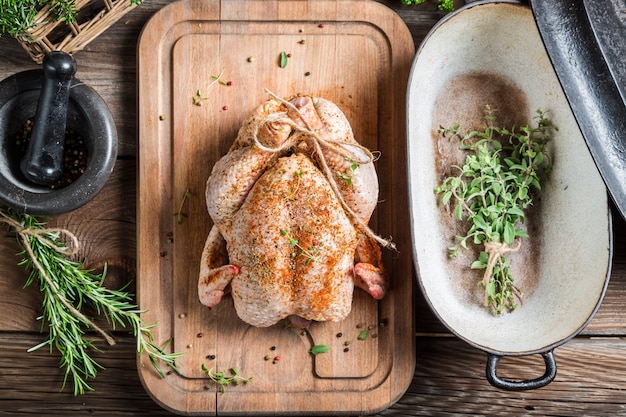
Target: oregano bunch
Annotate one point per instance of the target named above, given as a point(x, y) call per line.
point(491, 192)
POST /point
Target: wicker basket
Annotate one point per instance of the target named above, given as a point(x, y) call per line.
point(93, 18)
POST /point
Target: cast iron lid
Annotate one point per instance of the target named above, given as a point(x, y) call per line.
point(586, 40)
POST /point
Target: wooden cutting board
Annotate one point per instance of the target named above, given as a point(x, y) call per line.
point(355, 53)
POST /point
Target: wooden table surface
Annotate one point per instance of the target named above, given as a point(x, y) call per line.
point(449, 375)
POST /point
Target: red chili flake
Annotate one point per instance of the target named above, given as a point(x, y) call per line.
point(314, 243)
point(229, 83)
point(289, 55)
point(321, 25)
point(276, 359)
point(225, 108)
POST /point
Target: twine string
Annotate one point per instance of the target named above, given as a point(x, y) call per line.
point(304, 133)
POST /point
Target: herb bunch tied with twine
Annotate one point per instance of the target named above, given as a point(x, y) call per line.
point(67, 288)
point(491, 192)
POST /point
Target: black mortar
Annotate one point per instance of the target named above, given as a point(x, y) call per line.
point(87, 113)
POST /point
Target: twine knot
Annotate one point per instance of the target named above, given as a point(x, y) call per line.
point(495, 250)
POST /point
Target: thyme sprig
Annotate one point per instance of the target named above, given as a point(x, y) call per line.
point(349, 173)
point(223, 379)
point(67, 289)
point(492, 192)
point(180, 215)
point(200, 96)
point(310, 254)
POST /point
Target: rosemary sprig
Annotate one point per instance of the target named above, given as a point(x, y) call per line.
point(68, 288)
point(491, 192)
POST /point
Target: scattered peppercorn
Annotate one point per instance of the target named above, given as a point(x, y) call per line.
point(250, 59)
point(306, 74)
point(346, 349)
point(211, 357)
point(225, 108)
point(199, 335)
point(267, 357)
point(302, 42)
point(162, 117)
point(273, 348)
point(339, 334)
point(289, 55)
point(163, 254)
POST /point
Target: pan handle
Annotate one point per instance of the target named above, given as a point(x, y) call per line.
point(509, 385)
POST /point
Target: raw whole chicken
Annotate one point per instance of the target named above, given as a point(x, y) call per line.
point(290, 203)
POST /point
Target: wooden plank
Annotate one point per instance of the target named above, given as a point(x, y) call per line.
point(30, 383)
point(448, 381)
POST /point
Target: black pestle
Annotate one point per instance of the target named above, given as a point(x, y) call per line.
point(43, 162)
